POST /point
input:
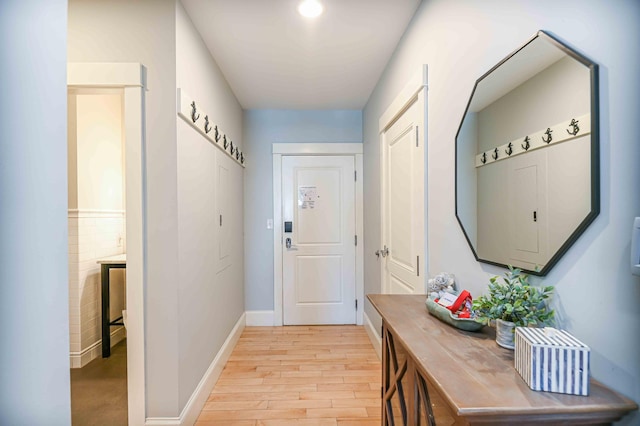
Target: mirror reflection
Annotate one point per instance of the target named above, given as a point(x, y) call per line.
point(526, 156)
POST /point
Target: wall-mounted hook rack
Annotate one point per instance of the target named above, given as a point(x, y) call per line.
point(189, 112)
point(543, 138)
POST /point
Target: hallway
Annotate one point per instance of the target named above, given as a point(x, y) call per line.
point(297, 375)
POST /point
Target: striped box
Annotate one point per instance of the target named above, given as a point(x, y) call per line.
point(552, 360)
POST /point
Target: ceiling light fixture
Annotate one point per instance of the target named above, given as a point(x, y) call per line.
point(310, 8)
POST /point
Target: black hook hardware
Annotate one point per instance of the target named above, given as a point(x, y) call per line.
point(483, 158)
point(526, 144)
point(194, 117)
point(576, 128)
point(241, 158)
point(207, 126)
point(225, 143)
point(509, 149)
point(495, 154)
point(549, 137)
point(237, 154)
point(216, 133)
point(232, 150)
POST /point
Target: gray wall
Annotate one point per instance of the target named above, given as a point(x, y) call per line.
point(261, 129)
point(210, 300)
point(144, 32)
point(460, 41)
point(178, 285)
point(34, 316)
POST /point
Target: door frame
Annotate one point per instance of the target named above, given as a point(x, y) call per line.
point(315, 149)
point(415, 90)
point(131, 78)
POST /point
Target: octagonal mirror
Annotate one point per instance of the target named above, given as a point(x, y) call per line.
point(527, 161)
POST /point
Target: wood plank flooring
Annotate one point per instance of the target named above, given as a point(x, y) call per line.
point(302, 375)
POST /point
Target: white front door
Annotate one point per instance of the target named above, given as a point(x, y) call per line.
point(319, 256)
point(403, 214)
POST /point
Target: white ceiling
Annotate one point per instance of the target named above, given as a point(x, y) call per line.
point(274, 58)
point(531, 60)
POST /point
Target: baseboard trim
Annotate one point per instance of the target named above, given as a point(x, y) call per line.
point(80, 359)
point(376, 340)
point(194, 406)
point(260, 318)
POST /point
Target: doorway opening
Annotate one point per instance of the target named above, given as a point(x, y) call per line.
point(106, 144)
point(96, 202)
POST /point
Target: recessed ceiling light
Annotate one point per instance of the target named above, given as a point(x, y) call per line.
point(310, 8)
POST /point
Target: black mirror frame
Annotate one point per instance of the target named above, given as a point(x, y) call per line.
point(595, 151)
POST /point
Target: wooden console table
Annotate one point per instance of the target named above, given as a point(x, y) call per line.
point(433, 373)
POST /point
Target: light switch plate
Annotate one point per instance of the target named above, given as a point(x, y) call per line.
point(269, 223)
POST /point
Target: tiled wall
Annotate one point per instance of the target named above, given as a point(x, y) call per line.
point(93, 235)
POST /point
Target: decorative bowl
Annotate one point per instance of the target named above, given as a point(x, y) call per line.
point(445, 315)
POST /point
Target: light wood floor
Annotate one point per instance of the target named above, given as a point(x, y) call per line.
point(311, 375)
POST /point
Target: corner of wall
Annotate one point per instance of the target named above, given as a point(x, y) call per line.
point(376, 339)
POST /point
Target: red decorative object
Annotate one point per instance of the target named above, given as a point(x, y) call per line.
point(464, 295)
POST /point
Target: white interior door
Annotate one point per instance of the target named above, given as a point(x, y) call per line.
point(319, 256)
point(403, 203)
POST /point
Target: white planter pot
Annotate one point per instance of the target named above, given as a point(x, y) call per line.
point(505, 334)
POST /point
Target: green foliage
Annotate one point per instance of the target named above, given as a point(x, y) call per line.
point(514, 299)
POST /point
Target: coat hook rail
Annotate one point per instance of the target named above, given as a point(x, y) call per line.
point(567, 130)
point(190, 113)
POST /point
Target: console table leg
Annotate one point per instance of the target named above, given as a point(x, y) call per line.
point(106, 329)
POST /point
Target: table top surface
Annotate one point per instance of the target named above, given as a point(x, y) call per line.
point(118, 259)
point(473, 373)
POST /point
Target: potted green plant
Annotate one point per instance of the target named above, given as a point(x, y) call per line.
point(513, 302)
